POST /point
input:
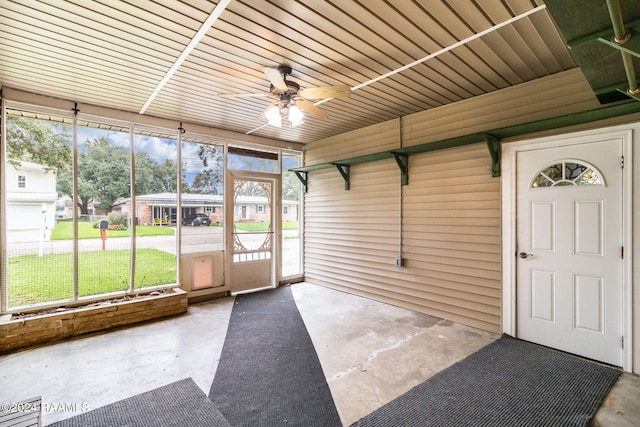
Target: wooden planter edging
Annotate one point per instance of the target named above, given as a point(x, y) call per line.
point(45, 328)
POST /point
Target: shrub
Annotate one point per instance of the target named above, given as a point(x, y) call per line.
point(117, 219)
point(118, 227)
point(116, 222)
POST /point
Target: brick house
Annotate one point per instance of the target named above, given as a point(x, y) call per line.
point(160, 209)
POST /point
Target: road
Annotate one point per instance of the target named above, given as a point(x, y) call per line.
point(194, 239)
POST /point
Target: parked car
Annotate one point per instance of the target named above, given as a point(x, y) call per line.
point(196, 220)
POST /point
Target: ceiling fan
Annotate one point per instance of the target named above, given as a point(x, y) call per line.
point(291, 100)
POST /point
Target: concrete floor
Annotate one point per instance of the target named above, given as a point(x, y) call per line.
point(370, 352)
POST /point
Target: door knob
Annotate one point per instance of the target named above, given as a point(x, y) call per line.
point(524, 255)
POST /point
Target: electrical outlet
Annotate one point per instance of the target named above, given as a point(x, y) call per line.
point(399, 261)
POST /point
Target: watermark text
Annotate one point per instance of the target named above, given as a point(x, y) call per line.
point(45, 407)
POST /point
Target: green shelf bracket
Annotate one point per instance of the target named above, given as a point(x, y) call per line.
point(303, 177)
point(403, 163)
point(493, 144)
point(344, 171)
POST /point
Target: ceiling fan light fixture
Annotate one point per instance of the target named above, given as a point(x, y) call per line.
point(295, 116)
point(291, 103)
point(273, 116)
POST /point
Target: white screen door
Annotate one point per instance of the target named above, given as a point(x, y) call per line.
point(250, 240)
point(569, 240)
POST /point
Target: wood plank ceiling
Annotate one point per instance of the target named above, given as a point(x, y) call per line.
point(117, 53)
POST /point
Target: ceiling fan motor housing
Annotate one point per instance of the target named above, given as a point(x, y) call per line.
point(285, 70)
point(288, 95)
point(292, 89)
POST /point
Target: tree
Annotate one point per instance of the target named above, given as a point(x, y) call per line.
point(206, 181)
point(104, 170)
point(165, 176)
point(39, 141)
point(152, 177)
point(103, 173)
point(253, 189)
point(211, 178)
point(290, 186)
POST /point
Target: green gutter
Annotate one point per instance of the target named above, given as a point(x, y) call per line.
point(568, 120)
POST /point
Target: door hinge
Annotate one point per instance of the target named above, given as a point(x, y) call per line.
point(622, 252)
point(622, 162)
point(622, 341)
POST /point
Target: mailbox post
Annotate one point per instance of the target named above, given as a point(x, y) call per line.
point(104, 225)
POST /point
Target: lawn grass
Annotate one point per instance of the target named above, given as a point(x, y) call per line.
point(264, 226)
point(290, 225)
point(64, 231)
point(33, 280)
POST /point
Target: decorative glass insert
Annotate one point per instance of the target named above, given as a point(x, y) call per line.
point(567, 173)
point(252, 234)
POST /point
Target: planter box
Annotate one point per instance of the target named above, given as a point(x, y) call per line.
point(45, 328)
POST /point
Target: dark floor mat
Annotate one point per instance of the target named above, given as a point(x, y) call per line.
point(507, 383)
point(269, 373)
point(177, 404)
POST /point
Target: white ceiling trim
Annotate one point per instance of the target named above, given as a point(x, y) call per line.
point(215, 14)
point(446, 49)
point(432, 55)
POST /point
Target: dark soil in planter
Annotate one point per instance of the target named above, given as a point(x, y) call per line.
point(125, 298)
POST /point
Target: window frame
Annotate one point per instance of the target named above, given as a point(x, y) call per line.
point(40, 111)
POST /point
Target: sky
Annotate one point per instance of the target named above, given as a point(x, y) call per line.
point(158, 149)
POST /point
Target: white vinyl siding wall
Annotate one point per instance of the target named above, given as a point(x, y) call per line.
point(451, 214)
point(352, 237)
point(450, 237)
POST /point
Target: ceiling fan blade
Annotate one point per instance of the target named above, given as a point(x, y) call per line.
point(312, 109)
point(275, 78)
point(241, 95)
point(326, 92)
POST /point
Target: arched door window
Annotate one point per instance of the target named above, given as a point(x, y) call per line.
point(567, 173)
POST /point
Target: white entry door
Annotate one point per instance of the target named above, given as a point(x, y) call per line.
point(569, 248)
